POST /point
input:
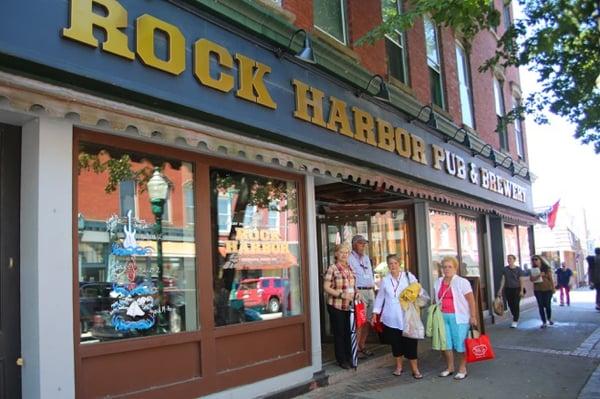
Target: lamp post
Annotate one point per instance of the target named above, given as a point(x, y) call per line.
point(158, 191)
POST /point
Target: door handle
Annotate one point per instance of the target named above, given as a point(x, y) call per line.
point(20, 362)
point(11, 262)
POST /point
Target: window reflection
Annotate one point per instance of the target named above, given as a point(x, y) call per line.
point(118, 246)
point(443, 239)
point(257, 266)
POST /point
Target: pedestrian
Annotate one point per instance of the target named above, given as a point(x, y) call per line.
point(563, 283)
point(458, 309)
point(511, 286)
point(543, 288)
point(388, 306)
point(340, 286)
point(594, 274)
point(365, 284)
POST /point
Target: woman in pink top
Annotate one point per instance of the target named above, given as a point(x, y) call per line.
point(455, 295)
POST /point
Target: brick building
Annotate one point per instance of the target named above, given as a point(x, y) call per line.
point(179, 174)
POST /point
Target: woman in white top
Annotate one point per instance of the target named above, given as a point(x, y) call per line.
point(455, 296)
point(387, 304)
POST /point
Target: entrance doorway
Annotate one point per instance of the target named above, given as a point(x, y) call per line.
point(10, 339)
point(345, 210)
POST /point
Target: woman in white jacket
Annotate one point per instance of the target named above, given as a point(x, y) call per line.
point(455, 296)
point(387, 304)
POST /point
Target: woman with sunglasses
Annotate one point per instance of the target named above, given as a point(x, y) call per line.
point(543, 288)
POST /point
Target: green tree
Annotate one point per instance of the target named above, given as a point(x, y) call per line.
point(558, 39)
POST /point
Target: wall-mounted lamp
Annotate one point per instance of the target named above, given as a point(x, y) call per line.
point(480, 152)
point(515, 172)
point(447, 138)
point(503, 163)
point(305, 54)
point(431, 120)
point(382, 94)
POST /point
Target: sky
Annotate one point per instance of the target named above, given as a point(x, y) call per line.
point(565, 168)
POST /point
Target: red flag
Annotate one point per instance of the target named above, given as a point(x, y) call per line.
point(552, 215)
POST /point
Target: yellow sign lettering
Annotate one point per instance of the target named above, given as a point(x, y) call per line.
point(146, 26)
point(251, 81)
point(84, 19)
point(203, 50)
point(338, 116)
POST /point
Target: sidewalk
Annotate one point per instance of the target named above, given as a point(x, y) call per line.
point(556, 362)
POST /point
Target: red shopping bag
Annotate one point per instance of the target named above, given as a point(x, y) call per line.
point(361, 314)
point(478, 349)
point(377, 324)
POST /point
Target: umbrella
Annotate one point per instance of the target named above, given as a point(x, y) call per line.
point(353, 338)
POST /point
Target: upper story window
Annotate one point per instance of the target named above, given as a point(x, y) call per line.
point(434, 62)
point(464, 86)
point(500, 112)
point(127, 197)
point(506, 16)
point(330, 17)
point(519, 132)
point(395, 43)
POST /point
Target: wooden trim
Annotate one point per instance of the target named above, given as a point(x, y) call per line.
point(206, 334)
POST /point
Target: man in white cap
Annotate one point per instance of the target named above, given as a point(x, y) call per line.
point(365, 284)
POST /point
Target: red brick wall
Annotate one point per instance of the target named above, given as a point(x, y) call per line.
point(363, 15)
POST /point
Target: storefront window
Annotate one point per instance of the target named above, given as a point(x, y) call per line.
point(443, 239)
point(388, 236)
point(123, 251)
point(511, 242)
point(469, 247)
point(524, 247)
point(257, 265)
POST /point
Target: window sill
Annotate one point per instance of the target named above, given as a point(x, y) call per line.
point(402, 86)
point(334, 44)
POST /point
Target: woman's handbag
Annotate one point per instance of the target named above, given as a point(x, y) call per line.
point(478, 349)
point(360, 313)
point(499, 306)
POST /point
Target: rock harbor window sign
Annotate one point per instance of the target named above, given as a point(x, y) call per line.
point(352, 122)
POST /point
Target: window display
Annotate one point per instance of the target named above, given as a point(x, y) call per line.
point(257, 266)
point(137, 256)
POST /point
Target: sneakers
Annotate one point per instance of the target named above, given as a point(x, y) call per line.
point(550, 322)
point(544, 325)
point(514, 324)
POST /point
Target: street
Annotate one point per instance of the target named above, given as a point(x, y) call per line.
point(556, 362)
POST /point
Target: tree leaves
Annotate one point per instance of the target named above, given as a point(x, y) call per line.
point(558, 39)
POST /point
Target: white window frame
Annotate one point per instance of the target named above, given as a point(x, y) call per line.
point(342, 4)
point(518, 131)
point(135, 198)
point(465, 81)
point(432, 64)
point(224, 197)
point(400, 42)
point(500, 112)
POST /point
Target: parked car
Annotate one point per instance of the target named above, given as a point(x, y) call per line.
point(94, 298)
point(268, 293)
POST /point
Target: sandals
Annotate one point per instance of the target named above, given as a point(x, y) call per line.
point(397, 373)
point(460, 376)
point(417, 376)
point(445, 373)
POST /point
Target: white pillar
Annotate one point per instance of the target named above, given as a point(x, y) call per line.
point(46, 260)
point(313, 274)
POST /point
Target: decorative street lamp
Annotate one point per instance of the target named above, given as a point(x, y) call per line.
point(158, 191)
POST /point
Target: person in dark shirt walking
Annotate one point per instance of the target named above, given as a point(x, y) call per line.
point(563, 282)
point(511, 286)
